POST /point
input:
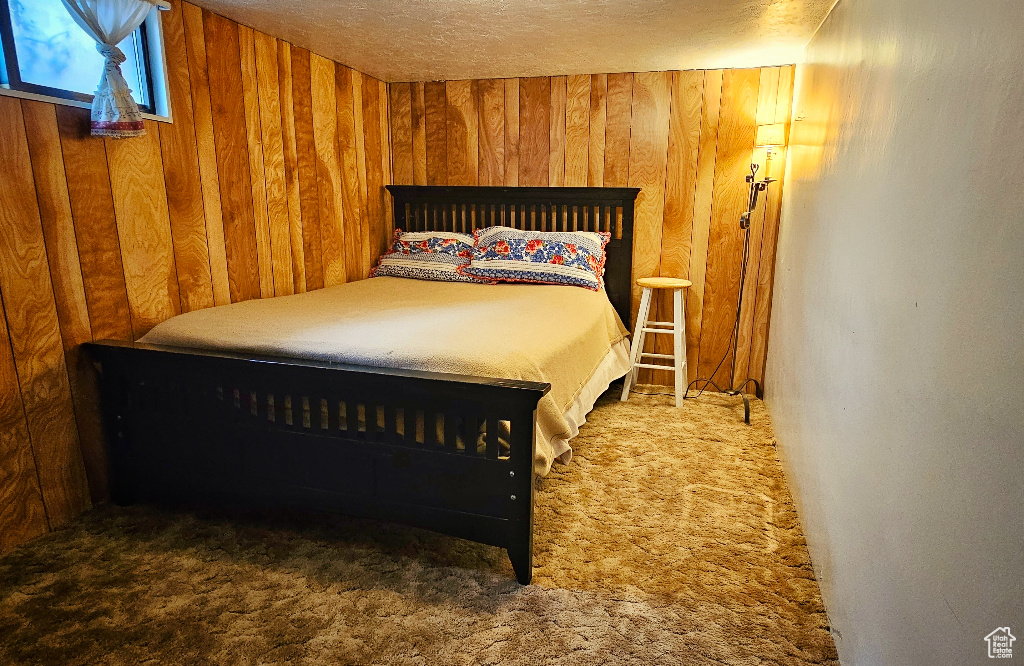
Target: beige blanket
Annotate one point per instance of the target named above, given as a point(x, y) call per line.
point(543, 333)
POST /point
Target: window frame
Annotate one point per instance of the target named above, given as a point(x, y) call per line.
point(149, 35)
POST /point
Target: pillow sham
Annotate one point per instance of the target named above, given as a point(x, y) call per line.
point(427, 255)
point(546, 257)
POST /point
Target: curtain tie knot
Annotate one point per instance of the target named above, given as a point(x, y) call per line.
point(112, 54)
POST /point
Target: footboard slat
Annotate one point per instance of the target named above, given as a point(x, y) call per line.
point(201, 426)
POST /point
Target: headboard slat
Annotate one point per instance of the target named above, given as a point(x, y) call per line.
point(466, 209)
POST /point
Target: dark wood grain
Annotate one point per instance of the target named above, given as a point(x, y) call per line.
point(577, 130)
point(556, 132)
point(328, 170)
point(144, 228)
point(257, 171)
point(92, 208)
point(227, 100)
point(419, 134)
point(22, 514)
point(180, 159)
point(491, 126)
point(202, 115)
point(598, 122)
point(461, 128)
point(66, 276)
point(302, 98)
point(511, 132)
point(291, 166)
point(272, 139)
point(32, 324)
point(352, 192)
point(400, 98)
point(435, 105)
point(534, 131)
point(375, 194)
point(616, 146)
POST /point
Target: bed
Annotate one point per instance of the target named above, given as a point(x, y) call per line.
point(429, 403)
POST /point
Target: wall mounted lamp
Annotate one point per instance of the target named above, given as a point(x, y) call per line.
point(770, 137)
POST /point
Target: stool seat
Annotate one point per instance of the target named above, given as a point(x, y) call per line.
point(663, 283)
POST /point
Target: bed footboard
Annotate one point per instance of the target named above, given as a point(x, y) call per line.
point(449, 453)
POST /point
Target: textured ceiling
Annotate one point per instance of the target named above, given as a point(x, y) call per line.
point(423, 40)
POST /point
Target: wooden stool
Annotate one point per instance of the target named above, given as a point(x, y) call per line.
point(676, 328)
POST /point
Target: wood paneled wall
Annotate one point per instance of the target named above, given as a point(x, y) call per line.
point(685, 138)
point(269, 181)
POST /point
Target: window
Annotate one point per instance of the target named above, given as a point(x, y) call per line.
point(46, 53)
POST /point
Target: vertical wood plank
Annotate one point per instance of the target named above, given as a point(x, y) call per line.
point(181, 174)
point(359, 123)
point(462, 132)
point(195, 41)
point(305, 145)
point(401, 132)
point(92, 209)
point(375, 193)
point(577, 130)
point(491, 124)
point(707, 154)
point(556, 132)
point(419, 135)
point(58, 227)
point(648, 156)
point(227, 102)
point(773, 205)
point(144, 229)
point(328, 170)
point(616, 156)
point(34, 330)
point(268, 89)
point(598, 116)
point(681, 179)
point(436, 132)
point(766, 97)
point(512, 132)
point(534, 131)
point(66, 277)
point(257, 175)
point(289, 147)
point(352, 198)
point(735, 147)
point(22, 514)
point(680, 189)
point(384, 242)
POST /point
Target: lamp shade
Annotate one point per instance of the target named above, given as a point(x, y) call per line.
point(771, 135)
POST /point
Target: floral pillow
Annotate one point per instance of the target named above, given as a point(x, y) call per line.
point(546, 257)
point(427, 255)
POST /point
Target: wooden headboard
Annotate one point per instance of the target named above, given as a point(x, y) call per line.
point(464, 209)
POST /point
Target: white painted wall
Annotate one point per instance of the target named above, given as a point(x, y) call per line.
point(896, 358)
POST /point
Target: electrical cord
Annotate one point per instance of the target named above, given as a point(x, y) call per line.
point(732, 336)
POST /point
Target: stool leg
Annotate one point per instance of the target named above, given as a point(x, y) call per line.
point(638, 342)
point(679, 338)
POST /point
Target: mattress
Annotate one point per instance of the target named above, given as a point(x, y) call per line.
point(566, 336)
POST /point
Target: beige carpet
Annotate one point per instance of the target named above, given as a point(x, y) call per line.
point(670, 539)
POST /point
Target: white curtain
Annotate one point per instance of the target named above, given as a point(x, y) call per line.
point(114, 112)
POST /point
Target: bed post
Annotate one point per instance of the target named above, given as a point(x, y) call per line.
point(520, 500)
point(114, 408)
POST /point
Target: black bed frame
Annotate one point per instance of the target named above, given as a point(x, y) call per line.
point(208, 427)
